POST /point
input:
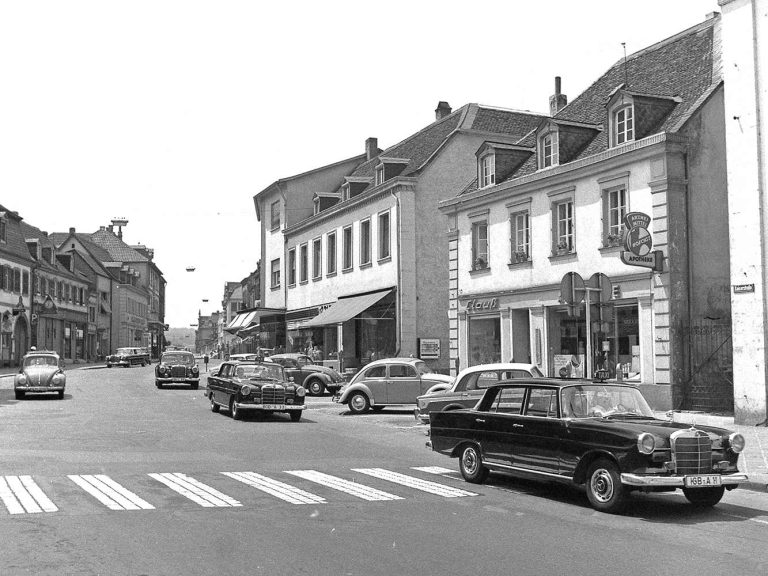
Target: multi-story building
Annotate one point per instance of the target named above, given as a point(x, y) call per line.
point(15, 305)
point(206, 334)
point(646, 137)
point(358, 271)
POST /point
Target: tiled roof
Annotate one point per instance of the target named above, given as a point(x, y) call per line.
point(503, 121)
point(14, 239)
point(30, 232)
point(118, 250)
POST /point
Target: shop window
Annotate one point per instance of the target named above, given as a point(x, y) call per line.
point(563, 237)
point(347, 248)
point(330, 254)
point(384, 242)
point(291, 267)
point(317, 258)
point(484, 340)
point(520, 237)
point(480, 245)
point(365, 242)
point(614, 210)
point(303, 263)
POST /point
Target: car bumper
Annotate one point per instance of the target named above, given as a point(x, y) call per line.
point(420, 416)
point(676, 481)
point(271, 407)
point(39, 388)
point(192, 379)
point(336, 398)
point(118, 363)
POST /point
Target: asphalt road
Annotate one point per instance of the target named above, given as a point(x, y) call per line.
point(131, 480)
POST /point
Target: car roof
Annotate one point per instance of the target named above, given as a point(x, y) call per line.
point(391, 360)
point(41, 353)
point(254, 361)
point(559, 382)
point(498, 366)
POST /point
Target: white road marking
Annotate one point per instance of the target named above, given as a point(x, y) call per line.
point(416, 483)
point(110, 493)
point(351, 488)
point(434, 470)
point(195, 490)
point(9, 499)
point(280, 490)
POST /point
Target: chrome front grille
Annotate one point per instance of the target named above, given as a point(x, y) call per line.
point(273, 395)
point(692, 452)
point(178, 371)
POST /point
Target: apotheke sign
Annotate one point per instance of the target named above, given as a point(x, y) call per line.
point(478, 305)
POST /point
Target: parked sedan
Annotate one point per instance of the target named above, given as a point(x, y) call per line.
point(469, 386)
point(127, 357)
point(41, 371)
point(388, 381)
point(599, 435)
point(254, 385)
point(316, 379)
point(177, 367)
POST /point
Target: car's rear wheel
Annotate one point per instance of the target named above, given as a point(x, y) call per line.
point(358, 403)
point(471, 465)
point(214, 407)
point(234, 411)
point(605, 491)
point(20, 394)
point(315, 387)
point(296, 415)
point(704, 497)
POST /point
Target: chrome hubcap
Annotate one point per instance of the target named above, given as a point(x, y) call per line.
point(470, 461)
point(358, 402)
point(602, 485)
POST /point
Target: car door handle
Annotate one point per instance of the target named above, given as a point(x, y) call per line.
point(479, 419)
point(517, 426)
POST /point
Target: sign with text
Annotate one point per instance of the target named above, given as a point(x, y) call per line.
point(654, 260)
point(743, 288)
point(429, 348)
point(482, 304)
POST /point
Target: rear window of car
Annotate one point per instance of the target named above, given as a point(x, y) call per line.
point(402, 371)
point(508, 401)
point(542, 402)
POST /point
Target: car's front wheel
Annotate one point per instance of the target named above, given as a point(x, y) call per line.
point(471, 465)
point(704, 497)
point(358, 403)
point(214, 407)
point(234, 411)
point(315, 387)
point(605, 491)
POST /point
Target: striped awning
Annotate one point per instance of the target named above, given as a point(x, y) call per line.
point(242, 320)
point(345, 308)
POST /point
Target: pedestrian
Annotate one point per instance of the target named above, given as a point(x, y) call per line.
point(205, 361)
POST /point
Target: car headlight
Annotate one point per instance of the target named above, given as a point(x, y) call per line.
point(58, 378)
point(736, 442)
point(245, 390)
point(300, 392)
point(646, 443)
point(161, 369)
point(195, 369)
point(21, 379)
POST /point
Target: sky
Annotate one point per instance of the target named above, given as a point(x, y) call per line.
point(174, 114)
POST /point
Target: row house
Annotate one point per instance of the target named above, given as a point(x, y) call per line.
point(239, 328)
point(358, 272)
point(15, 273)
point(646, 137)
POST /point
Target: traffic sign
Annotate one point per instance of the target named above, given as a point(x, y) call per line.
point(572, 288)
point(602, 288)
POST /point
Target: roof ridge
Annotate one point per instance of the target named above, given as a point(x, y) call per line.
point(425, 128)
point(513, 110)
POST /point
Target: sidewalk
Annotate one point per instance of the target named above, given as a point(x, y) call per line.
point(7, 372)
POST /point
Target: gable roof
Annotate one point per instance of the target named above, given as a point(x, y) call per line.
point(14, 247)
point(118, 250)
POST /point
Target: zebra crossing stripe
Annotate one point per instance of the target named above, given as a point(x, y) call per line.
point(34, 490)
point(22, 494)
point(110, 493)
point(351, 488)
point(195, 490)
point(278, 489)
point(416, 483)
point(434, 470)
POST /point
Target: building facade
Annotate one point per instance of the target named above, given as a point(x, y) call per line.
point(16, 266)
point(530, 247)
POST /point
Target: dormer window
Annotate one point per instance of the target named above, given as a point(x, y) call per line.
point(623, 125)
point(345, 192)
point(549, 150)
point(379, 175)
point(487, 169)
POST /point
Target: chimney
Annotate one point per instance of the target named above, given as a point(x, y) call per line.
point(371, 148)
point(71, 230)
point(102, 228)
point(557, 101)
point(119, 222)
point(442, 110)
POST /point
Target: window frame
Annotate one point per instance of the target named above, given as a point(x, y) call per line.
point(480, 259)
point(366, 234)
point(549, 139)
point(564, 229)
point(627, 132)
point(347, 248)
point(486, 170)
point(3, 230)
point(520, 251)
point(613, 216)
point(303, 263)
point(317, 258)
point(383, 240)
point(291, 267)
point(330, 254)
point(274, 273)
point(380, 175)
point(274, 215)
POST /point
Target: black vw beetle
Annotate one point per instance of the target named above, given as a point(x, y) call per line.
point(254, 385)
point(600, 435)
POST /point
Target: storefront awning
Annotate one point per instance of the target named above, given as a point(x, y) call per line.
point(345, 308)
point(242, 320)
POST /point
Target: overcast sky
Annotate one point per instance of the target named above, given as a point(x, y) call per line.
point(173, 114)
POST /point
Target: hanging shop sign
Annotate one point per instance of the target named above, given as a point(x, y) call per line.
point(481, 305)
point(638, 243)
point(48, 307)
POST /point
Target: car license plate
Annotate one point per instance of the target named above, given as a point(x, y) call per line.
point(274, 406)
point(702, 481)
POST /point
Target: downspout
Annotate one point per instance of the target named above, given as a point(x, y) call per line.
point(398, 295)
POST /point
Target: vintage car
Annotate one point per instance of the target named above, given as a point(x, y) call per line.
point(600, 435)
point(469, 386)
point(128, 357)
point(177, 367)
point(314, 378)
point(254, 385)
point(41, 371)
point(388, 381)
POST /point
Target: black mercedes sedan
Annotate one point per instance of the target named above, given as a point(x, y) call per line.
point(596, 434)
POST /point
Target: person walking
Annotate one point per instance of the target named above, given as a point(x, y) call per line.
point(205, 361)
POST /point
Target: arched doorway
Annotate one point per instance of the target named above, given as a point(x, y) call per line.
point(20, 340)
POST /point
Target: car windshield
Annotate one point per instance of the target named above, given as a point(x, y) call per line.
point(124, 351)
point(598, 400)
point(178, 358)
point(259, 372)
point(41, 361)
